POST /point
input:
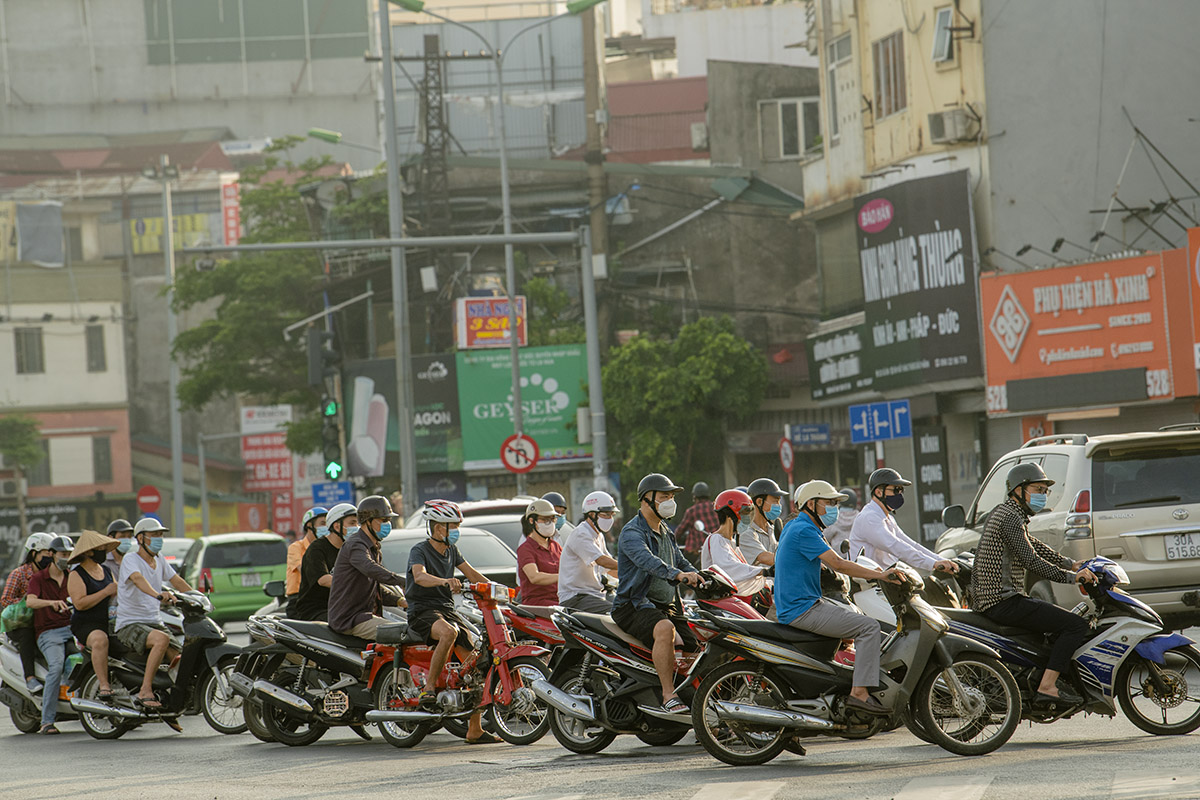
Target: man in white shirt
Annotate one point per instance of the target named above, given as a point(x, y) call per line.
point(718, 550)
point(140, 595)
point(877, 535)
point(585, 557)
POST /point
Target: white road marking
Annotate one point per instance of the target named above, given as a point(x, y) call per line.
point(1155, 787)
point(741, 790)
point(947, 788)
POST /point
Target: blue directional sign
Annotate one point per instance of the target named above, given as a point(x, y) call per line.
point(878, 422)
point(330, 494)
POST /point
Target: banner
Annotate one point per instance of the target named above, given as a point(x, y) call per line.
point(483, 322)
point(231, 210)
point(933, 478)
point(553, 386)
point(268, 463)
point(40, 233)
point(191, 230)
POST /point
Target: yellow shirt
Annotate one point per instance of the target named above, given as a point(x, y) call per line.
point(295, 555)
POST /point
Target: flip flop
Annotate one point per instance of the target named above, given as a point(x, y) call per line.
point(484, 738)
point(148, 704)
point(173, 724)
point(49, 730)
point(105, 694)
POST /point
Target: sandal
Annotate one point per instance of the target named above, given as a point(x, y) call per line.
point(484, 738)
point(427, 701)
point(105, 694)
point(675, 706)
point(173, 724)
point(148, 703)
point(49, 730)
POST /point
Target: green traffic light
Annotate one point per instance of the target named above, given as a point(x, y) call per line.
point(330, 408)
point(333, 469)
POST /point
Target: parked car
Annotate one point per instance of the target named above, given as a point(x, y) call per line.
point(1131, 497)
point(482, 550)
point(174, 549)
point(501, 517)
point(232, 568)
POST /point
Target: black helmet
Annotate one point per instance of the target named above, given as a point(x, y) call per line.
point(764, 486)
point(656, 482)
point(119, 526)
point(375, 506)
point(851, 500)
point(61, 544)
point(701, 490)
point(886, 476)
point(555, 499)
point(1021, 474)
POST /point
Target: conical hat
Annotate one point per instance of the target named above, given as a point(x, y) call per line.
point(89, 541)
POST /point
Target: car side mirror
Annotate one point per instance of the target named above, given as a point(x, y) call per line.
point(274, 589)
point(954, 516)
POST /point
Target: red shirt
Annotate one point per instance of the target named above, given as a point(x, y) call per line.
point(43, 587)
point(546, 560)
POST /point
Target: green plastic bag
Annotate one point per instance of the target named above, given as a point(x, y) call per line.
point(17, 615)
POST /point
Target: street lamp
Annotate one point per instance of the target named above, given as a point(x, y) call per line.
point(574, 8)
point(335, 137)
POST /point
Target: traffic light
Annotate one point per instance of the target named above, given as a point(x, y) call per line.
point(331, 445)
point(329, 407)
point(324, 358)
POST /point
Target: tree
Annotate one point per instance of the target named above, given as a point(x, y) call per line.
point(549, 310)
point(669, 400)
point(240, 350)
point(21, 446)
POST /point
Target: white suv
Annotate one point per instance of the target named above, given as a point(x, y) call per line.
point(1132, 497)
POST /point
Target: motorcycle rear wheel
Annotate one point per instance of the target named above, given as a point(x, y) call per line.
point(221, 708)
point(1139, 699)
point(575, 734)
point(527, 719)
point(25, 722)
point(387, 692)
point(100, 727)
point(944, 717)
point(290, 729)
point(733, 742)
point(252, 713)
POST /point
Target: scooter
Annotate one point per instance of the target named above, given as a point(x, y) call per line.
point(197, 684)
point(24, 707)
point(776, 681)
point(496, 680)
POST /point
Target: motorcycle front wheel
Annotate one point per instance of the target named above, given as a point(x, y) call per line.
point(526, 719)
point(979, 719)
point(222, 707)
point(1166, 710)
point(737, 743)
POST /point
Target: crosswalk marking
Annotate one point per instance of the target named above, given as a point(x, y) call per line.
point(945, 788)
point(1155, 787)
point(740, 790)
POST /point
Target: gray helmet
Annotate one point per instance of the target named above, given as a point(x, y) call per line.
point(701, 490)
point(61, 544)
point(764, 486)
point(1028, 472)
point(886, 476)
point(851, 500)
point(656, 482)
point(555, 499)
point(119, 526)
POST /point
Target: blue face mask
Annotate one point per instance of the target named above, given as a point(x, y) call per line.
point(1037, 502)
point(830, 516)
point(774, 512)
point(384, 529)
point(126, 546)
point(155, 545)
point(452, 536)
point(322, 531)
point(353, 529)
point(562, 520)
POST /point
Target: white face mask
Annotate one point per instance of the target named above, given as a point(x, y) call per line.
point(604, 524)
point(546, 529)
point(667, 508)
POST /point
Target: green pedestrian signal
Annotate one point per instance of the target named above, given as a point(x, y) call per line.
point(333, 469)
point(329, 407)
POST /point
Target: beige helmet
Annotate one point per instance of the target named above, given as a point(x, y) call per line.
point(816, 490)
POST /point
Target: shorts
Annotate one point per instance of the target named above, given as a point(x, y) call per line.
point(640, 622)
point(588, 603)
point(81, 630)
point(420, 625)
point(134, 635)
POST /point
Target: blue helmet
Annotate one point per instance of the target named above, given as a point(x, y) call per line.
point(310, 515)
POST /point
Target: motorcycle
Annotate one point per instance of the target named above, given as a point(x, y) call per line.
point(603, 683)
point(197, 684)
point(24, 707)
point(497, 680)
point(776, 682)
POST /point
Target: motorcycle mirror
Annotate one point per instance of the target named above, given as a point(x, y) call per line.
point(274, 589)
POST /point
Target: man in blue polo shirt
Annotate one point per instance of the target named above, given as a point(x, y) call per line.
point(798, 602)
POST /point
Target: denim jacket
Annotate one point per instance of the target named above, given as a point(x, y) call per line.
point(638, 562)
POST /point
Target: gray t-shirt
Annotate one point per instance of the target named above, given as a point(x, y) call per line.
point(425, 598)
point(753, 540)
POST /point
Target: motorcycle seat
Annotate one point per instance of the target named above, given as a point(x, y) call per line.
point(968, 617)
point(322, 631)
point(777, 631)
point(534, 612)
point(394, 633)
point(603, 623)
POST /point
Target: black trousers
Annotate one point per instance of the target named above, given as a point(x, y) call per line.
point(26, 643)
point(1067, 631)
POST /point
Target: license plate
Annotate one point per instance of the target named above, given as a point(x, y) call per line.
point(1182, 545)
point(251, 579)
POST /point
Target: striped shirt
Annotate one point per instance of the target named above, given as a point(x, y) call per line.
point(1005, 552)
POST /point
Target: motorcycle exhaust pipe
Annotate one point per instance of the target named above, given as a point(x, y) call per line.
point(569, 704)
point(378, 715)
point(240, 685)
point(769, 717)
point(101, 710)
point(273, 692)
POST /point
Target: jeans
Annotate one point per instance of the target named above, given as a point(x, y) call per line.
point(56, 644)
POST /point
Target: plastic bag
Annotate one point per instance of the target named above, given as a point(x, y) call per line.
point(16, 615)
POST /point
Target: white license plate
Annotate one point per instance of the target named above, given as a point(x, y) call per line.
point(1182, 545)
point(251, 579)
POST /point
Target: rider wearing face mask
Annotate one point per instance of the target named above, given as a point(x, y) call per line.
point(876, 534)
point(316, 569)
point(1005, 552)
point(47, 597)
point(313, 518)
point(37, 557)
point(719, 551)
point(756, 538)
point(359, 586)
point(538, 555)
point(585, 555)
point(559, 503)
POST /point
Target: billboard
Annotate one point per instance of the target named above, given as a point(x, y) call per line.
point(481, 322)
point(553, 385)
point(916, 250)
point(1103, 333)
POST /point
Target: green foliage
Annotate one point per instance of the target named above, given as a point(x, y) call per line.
point(550, 309)
point(668, 400)
point(240, 349)
point(20, 442)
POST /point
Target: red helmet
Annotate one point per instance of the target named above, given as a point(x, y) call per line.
point(738, 502)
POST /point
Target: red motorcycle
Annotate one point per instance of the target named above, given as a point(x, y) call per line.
point(496, 680)
point(533, 623)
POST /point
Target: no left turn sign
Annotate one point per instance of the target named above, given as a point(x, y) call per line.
point(519, 453)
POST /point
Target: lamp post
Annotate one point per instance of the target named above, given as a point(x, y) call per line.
point(574, 8)
point(335, 137)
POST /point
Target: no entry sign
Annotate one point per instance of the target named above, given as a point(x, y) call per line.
point(519, 453)
point(148, 499)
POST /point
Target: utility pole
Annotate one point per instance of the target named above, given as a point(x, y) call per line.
point(596, 106)
point(166, 172)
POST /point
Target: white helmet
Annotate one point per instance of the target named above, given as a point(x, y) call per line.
point(148, 525)
point(445, 511)
point(38, 541)
point(819, 490)
point(339, 512)
point(599, 501)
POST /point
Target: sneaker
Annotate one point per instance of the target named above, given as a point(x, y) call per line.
point(33, 685)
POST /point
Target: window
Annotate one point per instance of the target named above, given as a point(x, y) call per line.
point(101, 459)
point(943, 37)
point(245, 554)
point(788, 128)
point(1056, 467)
point(74, 244)
point(96, 359)
point(1145, 478)
point(40, 474)
point(837, 53)
point(890, 94)
point(992, 494)
point(31, 358)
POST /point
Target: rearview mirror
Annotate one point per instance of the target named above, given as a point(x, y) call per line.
point(273, 589)
point(954, 516)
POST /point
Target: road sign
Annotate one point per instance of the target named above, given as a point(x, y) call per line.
point(148, 499)
point(816, 433)
point(332, 493)
point(519, 454)
point(786, 456)
point(878, 422)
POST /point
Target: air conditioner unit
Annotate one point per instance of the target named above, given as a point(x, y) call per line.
point(699, 136)
point(9, 487)
point(952, 125)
